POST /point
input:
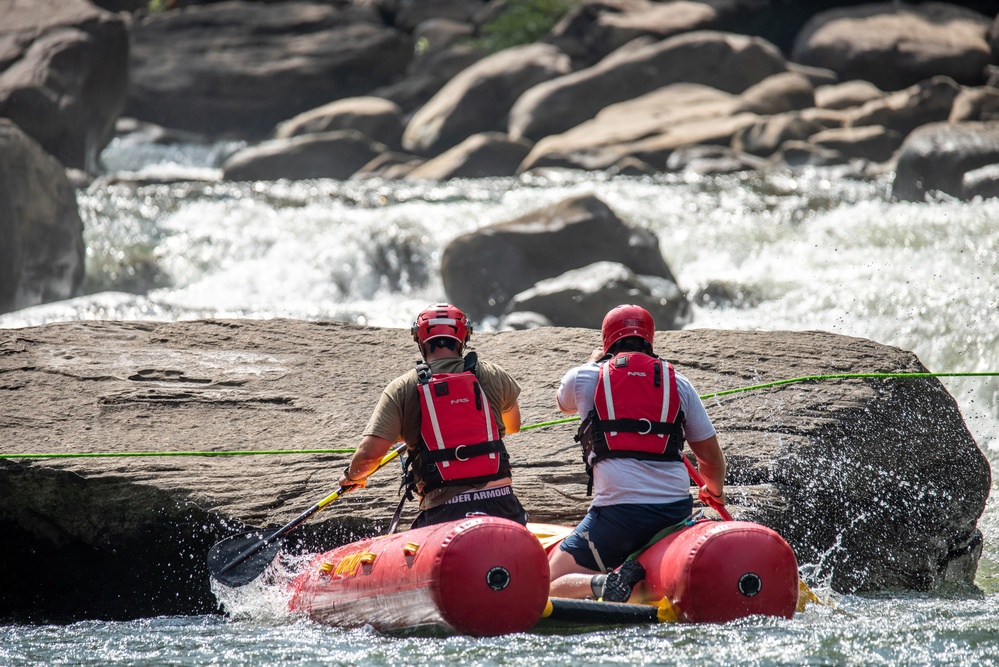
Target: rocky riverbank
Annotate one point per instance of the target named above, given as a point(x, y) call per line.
point(405, 89)
point(877, 480)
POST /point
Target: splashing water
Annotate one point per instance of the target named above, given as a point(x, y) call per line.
point(266, 598)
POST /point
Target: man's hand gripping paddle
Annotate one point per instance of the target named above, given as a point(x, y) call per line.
point(238, 560)
point(805, 594)
point(699, 481)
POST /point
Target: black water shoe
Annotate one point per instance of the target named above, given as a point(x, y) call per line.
point(617, 587)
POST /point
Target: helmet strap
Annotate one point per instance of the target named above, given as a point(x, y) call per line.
point(435, 344)
point(630, 344)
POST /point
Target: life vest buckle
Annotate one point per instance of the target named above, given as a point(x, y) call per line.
point(647, 430)
point(457, 455)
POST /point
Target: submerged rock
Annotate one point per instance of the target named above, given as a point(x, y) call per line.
point(484, 269)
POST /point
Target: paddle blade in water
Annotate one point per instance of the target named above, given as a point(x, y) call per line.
point(238, 560)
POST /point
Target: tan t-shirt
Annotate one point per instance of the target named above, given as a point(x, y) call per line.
point(396, 417)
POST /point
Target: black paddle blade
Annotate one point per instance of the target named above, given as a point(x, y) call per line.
point(238, 560)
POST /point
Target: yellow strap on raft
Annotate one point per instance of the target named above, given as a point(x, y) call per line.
point(806, 596)
point(667, 613)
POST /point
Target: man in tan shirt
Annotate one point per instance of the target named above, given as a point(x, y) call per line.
point(452, 412)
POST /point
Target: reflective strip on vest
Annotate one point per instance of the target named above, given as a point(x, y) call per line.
point(490, 435)
point(438, 442)
point(608, 394)
point(666, 393)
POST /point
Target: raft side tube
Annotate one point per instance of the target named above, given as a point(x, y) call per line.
point(479, 576)
point(714, 572)
point(492, 578)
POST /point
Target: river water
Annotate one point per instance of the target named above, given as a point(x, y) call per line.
point(813, 250)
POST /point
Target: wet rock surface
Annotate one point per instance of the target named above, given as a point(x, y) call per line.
point(878, 481)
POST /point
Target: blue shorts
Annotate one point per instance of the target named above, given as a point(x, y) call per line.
point(617, 531)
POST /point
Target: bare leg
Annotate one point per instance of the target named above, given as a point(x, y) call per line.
point(569, 578)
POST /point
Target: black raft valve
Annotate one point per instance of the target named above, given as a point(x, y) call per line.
point(750, 584)
point(498, 578)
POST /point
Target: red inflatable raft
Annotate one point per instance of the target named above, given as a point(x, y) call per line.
point(487, 576)
point(480, 576)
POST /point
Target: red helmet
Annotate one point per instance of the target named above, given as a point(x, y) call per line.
point(625, 321)
point(441, 320)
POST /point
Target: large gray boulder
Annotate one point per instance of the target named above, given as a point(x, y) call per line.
point(484, 269)
point(594, 28)
point(479, 156)
point(479, 98)
point(581, 297)
point(731, 63)
point(928, 101)
point(375, 117)
point(41, 234)
point(875, 483)
point(428, 73)
point(936, 157)
point(651, 127)
point(336, 154)
point(894, 45)
point(242, 67)
point(63, 75)
point(603, 140)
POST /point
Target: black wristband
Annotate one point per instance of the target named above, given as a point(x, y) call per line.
point(346, 473)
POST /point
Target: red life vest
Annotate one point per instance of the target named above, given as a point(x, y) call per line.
point(459, 437)
point(636, 411)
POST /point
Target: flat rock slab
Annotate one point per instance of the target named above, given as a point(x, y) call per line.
point(877, 481)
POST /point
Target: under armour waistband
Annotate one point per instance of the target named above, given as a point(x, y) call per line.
point(481, 494)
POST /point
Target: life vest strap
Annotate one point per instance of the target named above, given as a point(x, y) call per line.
point(671, 454)
point(463, 452)
point(642, 426)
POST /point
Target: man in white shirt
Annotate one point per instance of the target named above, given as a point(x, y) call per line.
point(637, 411)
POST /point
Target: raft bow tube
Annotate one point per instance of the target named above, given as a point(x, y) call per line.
point(480, 576)
point(714, 572)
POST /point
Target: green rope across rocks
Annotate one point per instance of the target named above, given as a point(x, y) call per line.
point(84, 455)
point(850, 376)
point(805, 378)
point(555, 422)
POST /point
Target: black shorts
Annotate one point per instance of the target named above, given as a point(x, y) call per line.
point(495, 501)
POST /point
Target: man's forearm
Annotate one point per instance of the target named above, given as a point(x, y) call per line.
point(369, 454)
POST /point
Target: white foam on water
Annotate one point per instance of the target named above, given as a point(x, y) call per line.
point(266, 598)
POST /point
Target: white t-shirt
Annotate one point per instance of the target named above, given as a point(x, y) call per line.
point(630, 481)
